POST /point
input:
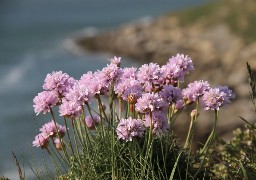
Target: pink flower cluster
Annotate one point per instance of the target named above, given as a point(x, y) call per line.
point(151, 89)
point(49, 131)
point(212, 98)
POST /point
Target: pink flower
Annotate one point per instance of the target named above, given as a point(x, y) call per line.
point(92, 82)
point(44, 101)
point(217, 97)
point(171, 94)
point(79, 93)
point(184, 63)
point(70, 109)
point(41, 140)
point(195, 90)
point(176, 69)
point(127, 129)
point(159, 123)
point(150, 102)
point(58, 82)
point(129, 73)
point(109, 74)
point(49, 129)
point(116, 60)
point(134, 89)
point(91, 122)
point(129, 87)
point(229, 93)
point(149, 75)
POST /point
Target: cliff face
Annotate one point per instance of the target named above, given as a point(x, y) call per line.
point(219, 37)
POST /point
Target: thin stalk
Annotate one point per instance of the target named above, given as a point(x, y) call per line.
point(208, 143)
point(113, 144)
point(101, 118)
point(78, 132)
point(192, 126)
point(58, 158)
point(75, 136)
point(212, 135)
point(149, 142)
point(90, 112)
point(57, 168)
point(58, 134)
point(101, 106)
point(188, 139)
point(120, 107)
point(170, 114)
point(69, 139)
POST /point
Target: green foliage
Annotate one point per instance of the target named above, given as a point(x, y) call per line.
point(130, 161)
point(236, 159)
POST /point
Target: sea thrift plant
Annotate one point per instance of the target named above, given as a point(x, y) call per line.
point(119, 121)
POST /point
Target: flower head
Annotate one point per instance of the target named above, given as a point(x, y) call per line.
point(49, 129)
point(127, 129)
point(195, 90)
point(116, 60)
point(129, 73)
point(91, 122)
point(58, 144)
point(70, 109)
point(41, 140)
point(171, 94)
point(79, 93)
point(150, 102)
point(58, 82)
point(229, 93)
point(159, 122)
point(217, 97)
point(176, 69)
point(184, 63)
point(109, 74)
point(130, 87)
point(44, 101)
point(93, 83)
point(149, 75)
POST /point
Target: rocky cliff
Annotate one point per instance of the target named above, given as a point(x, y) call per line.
point(220, 38)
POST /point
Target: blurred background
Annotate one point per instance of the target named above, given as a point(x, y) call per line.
point(36, 38)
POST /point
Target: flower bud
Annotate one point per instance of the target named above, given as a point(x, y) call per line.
point(58, 144)
point(194, 113)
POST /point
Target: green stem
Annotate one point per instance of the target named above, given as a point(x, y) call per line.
point(192, 126)
point(69, 139)
point(187, 143)
point(58, 134)
point(212, 135)
point(120, 107)
point(170, 114)
point(208, 143)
